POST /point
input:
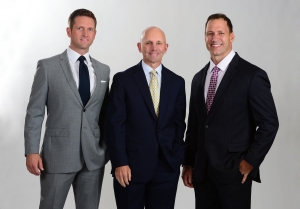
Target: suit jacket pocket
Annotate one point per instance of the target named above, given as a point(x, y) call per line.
point(238, 147)
point(132, 146)
point(56, 132)
point(96, 132)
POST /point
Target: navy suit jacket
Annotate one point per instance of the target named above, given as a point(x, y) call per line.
point(134, 133)
point(242, 122)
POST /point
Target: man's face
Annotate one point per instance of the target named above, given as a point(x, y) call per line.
point(153, 46)
point(218, 39)
point(82, 34)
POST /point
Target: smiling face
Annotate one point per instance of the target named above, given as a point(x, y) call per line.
point(153, 46)
point(82, 34)
point(218, 39)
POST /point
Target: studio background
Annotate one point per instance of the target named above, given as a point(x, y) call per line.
point(267, 34)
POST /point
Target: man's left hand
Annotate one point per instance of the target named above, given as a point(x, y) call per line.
point(245, 169)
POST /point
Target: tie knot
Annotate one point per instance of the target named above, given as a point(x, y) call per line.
point(216, 69)
point(81, 58)
point(153, 72)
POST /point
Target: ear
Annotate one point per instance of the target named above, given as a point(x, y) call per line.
point(166, 47)
point(139, 47)
point(232, 37)
point(68, 31)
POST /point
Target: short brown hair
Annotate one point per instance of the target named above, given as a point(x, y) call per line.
point(218, 16)
point(81, 12)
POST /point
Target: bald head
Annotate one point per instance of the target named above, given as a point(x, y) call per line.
point(153, 46)
point(153, 29)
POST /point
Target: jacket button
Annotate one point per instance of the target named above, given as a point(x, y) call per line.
point(83, 110)
point(206, 126)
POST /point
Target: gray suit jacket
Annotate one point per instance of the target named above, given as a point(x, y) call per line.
point(74, 134)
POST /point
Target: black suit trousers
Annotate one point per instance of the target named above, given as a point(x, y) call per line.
point(211, 194)
point(158, 193)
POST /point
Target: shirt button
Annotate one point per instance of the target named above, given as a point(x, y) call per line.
point(206, 126)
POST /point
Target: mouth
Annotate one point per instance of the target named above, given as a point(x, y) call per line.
point(216, 45)
point(153, 54)
point(84, 39)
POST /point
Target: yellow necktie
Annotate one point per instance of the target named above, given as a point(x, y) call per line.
point(154, 91)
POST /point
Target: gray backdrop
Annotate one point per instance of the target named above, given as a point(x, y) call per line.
point(267, 34)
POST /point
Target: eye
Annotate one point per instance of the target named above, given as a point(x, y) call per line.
point(91, 29)
point(209, 34)
point(80, 28)
point(221, 33)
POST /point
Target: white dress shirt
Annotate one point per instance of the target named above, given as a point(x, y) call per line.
point(223, 65)
point(147, 70)
point(74, 63)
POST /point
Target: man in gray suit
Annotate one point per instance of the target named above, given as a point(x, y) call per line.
point(74, 88)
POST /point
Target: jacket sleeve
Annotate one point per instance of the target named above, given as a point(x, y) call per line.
point(191, 139)
point(264, 114)
point(36, 110)
point(116, 124)
point(180, 114)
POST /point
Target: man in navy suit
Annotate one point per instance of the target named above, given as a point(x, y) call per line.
point(231, 126)
point(145, 128)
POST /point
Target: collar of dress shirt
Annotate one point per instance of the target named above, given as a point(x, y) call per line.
point(73, 56)
point(223, 65)
point(147, 69)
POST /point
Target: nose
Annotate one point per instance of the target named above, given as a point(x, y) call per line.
point(154, 47)
point(85, 32)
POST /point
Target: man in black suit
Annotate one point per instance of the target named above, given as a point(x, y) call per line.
point(145, 128)
point(231, 126)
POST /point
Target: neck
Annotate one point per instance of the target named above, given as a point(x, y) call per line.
point(79, 51)
point(153, 65)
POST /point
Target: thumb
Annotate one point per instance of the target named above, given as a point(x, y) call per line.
point(40, 165)
point(189, 179)
point(129, 175)
point(244, 177)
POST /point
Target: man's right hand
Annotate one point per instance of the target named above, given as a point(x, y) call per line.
point(34, 164)
point(123, 175)
point(187, 176)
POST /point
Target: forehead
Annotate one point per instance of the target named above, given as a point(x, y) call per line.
point(154, 34)
point(217, 24)
point(84, 20)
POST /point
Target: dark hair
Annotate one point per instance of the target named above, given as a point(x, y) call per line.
point(218, 16)
point(81, 12)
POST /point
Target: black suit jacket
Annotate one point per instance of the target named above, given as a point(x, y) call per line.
point(242, 122)
point(134, 133)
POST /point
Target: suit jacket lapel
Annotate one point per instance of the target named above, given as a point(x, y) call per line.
point(232, 68)
point(201, 89)
point(99, 77)
point(165, 89)
point(64, 63)
point(141, 81)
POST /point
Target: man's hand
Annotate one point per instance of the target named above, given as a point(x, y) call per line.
point(186, 176)
point(245, 169)
point(123, 175)
point(34, 164)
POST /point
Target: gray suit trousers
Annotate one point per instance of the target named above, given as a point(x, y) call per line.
point(86, 186)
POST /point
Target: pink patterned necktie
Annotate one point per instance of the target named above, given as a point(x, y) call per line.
point(212, 89)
